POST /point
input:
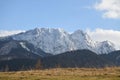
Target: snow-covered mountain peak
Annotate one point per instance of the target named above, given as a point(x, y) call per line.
point(48, 31)
point(50, 40)
point(107, 43)
point(105, 47)
point(79, 34)
point(56, 41)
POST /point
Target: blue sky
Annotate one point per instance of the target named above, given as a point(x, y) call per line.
point(67, 14)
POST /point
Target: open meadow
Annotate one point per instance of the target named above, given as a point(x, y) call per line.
point(64, 74)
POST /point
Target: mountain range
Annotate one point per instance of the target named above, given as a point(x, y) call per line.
point(56, 47)
point(57, 41)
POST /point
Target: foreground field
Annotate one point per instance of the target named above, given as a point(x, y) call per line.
point(64, 74)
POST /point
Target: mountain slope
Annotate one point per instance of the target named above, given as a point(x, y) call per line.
point(113, 57)
point(11, 49)
point(57, 41)
point(105, 47)
point(79, 58)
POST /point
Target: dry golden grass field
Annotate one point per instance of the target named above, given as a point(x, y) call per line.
point(64, 74)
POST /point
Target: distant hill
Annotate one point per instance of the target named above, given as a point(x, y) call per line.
point(113, 57)
point(78, 58)
point(71, 59)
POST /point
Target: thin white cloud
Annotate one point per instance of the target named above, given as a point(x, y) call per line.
point(103, 35)
point(110, 8)
point(4, 33)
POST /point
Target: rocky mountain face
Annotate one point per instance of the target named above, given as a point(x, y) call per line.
point(12, 49)
point(57, 41)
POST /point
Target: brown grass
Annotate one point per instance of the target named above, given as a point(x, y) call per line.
point(107, 73)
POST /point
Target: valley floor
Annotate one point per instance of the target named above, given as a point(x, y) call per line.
point(64, 74)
